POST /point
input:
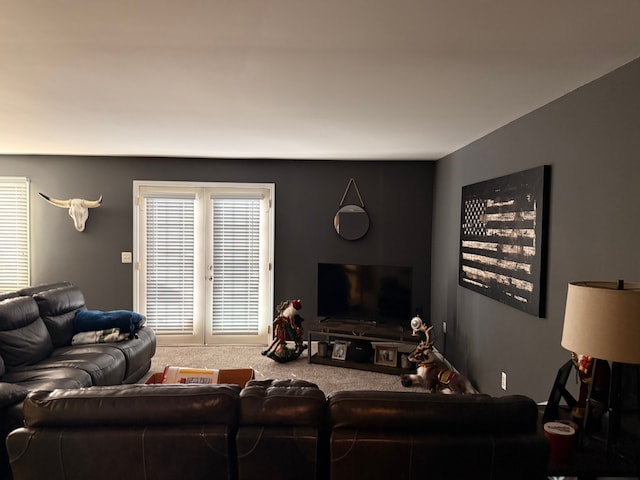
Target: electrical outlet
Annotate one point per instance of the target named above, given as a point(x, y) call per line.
point(126, 257)
point(504, 381)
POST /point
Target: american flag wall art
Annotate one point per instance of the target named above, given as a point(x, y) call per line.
point(503, 238)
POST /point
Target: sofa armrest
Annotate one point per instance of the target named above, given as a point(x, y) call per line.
point(11, 394)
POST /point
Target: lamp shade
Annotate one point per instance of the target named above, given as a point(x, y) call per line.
point(603, 321)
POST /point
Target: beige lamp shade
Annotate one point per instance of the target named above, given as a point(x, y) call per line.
point(603, 321)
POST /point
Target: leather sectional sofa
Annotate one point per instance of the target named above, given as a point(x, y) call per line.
point(36, 351)
point(286, 429)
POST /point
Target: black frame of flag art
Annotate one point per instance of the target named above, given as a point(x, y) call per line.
point(503, 237)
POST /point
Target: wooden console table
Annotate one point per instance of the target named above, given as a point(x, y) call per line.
point(331, 331)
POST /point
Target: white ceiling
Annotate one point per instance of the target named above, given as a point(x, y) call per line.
point(328, 79)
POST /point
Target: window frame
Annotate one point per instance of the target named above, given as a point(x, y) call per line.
point(202, 293)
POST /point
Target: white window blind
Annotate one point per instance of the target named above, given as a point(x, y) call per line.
point(170, 256)
point(236, 265)
point(14, 233)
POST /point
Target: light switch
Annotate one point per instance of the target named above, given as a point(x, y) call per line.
point(126, 257)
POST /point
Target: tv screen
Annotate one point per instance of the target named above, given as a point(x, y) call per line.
point(369, 293)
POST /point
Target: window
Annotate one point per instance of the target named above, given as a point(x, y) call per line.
point(169, 261)
point(14, 233)
point(236, 264)
point(203, 257)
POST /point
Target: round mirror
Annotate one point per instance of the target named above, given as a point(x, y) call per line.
point(351, 222)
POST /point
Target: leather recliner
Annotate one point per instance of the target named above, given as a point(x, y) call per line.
point(412, 435)
point(127, 432)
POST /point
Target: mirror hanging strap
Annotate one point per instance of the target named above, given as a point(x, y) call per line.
point(352, 182)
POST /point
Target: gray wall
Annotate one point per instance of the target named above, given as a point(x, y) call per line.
point(397, 196)
point(591, 139)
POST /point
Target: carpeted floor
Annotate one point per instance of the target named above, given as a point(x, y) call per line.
point(329, 379)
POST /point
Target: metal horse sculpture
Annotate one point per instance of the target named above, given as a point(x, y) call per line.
point(287, 326)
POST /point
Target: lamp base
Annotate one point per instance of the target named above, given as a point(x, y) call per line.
point(623, 432)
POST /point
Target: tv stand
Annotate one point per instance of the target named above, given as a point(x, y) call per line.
point(346, 321)
point(332, 331)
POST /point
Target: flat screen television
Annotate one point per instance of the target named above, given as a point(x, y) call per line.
point(365, 293)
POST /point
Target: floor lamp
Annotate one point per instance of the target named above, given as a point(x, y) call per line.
point(602, 320)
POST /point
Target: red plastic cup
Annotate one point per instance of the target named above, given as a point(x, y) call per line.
point(561, 440)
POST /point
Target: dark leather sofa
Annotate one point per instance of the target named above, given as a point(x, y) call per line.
point(281, 430)
point(36, 351)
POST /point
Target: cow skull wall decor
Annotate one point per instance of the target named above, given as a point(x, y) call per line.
point(78, 208)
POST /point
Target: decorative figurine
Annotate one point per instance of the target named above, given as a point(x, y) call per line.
point(287, 326)
point(432, 373)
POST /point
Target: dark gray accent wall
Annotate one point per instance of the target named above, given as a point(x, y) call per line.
point(397, 196)
point(591, 139)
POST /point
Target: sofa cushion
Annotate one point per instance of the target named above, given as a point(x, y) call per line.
point(58, 308)
point(24, 338)
point(137, 352)
point(105, 364)
point(49, 378)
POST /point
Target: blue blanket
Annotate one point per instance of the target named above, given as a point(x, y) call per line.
point(91, 320)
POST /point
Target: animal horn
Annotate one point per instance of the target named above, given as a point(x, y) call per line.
point(56, 202)
point(93, 203)
point(427, 334)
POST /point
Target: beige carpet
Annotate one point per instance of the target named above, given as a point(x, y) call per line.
point(329, 379)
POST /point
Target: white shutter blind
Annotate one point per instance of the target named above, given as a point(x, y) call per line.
point(170, 257)
point(236, 262)
point(14, 233)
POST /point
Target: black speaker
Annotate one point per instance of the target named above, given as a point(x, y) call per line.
point(360, 351)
